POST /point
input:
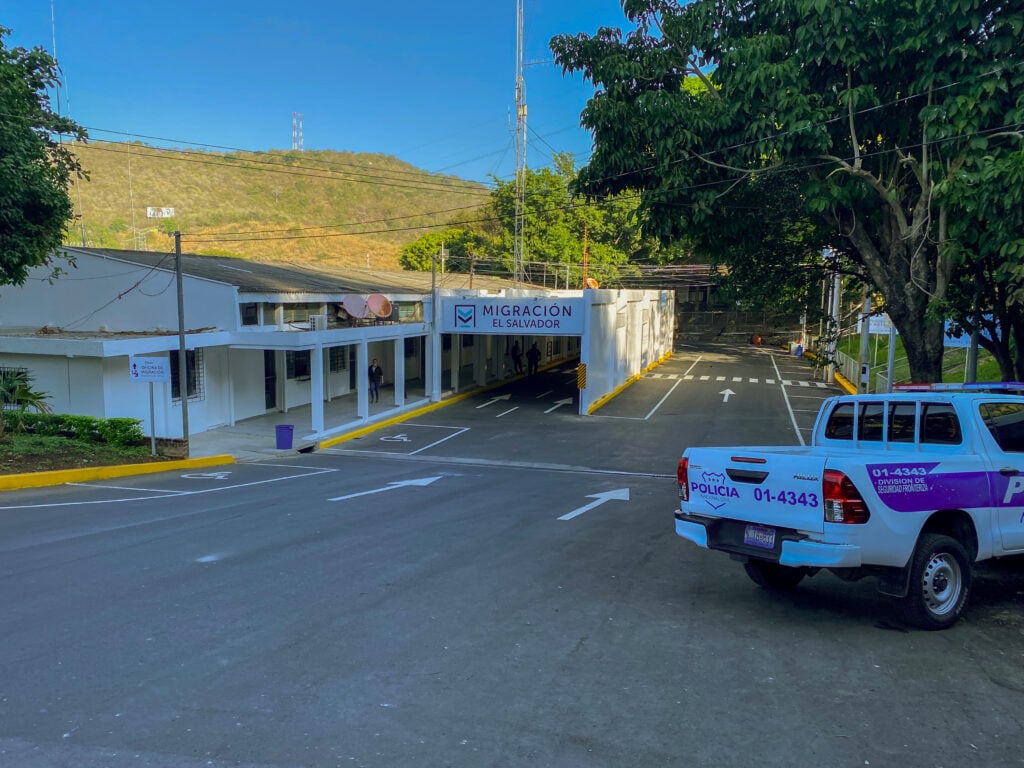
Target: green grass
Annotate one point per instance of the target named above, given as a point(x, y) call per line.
point(953, 360)
point(23, 452)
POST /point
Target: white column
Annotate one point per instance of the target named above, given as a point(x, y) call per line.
point(316, 388)
point(362, 380)
point(399, 369)
point(456, 360)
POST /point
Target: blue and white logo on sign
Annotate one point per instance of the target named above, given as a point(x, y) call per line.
point(465, 316)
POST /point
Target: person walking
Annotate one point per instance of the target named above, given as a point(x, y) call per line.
point(532, 359)
point(376, 376)
point(517, 357)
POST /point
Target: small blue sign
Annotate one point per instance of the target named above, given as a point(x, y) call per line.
point(465, 316)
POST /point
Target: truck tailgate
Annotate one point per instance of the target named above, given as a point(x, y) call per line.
point(756, 485)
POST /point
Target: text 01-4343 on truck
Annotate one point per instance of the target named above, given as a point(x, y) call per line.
point(912, 487)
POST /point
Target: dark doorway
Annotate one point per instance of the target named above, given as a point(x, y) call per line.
point(270, 378)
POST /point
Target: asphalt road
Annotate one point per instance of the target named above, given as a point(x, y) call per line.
point(495, 584)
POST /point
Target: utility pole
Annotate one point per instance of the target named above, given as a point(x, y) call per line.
point(182, 359)
point(518, 248)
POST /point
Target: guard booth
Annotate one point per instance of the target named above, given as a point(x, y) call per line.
point(616, 334)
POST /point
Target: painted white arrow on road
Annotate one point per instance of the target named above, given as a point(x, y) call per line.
point(390, 487)
point(622, 494)
point(558, 404)
point(494, 400)
point(726, 393)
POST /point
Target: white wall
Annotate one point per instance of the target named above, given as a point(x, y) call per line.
point(118, 296)
point(621, 345)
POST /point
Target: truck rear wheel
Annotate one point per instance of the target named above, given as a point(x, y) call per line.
point(940, 582)
point(774, 576)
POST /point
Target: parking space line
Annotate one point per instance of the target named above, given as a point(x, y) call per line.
point(503, 413)
point(437, 442)
point(659, 403)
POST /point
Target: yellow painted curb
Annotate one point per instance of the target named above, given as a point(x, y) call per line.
point(845, 384)
point(61, 476)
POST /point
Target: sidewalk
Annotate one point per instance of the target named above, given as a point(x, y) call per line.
point(256, 438)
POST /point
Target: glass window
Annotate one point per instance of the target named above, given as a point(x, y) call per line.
point(339, 359)
point(1006, 423)
point(194, 376)
point(871, 420)
point(297, 364)
point(250, 314)
point(902, 419)
point(939, 424)
point(840, 422)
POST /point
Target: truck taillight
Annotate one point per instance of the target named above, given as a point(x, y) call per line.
point(684, 485)
point(842, 501)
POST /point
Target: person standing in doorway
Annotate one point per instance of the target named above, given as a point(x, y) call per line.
point(517, 357)
point(376, 376)
point(532, 359)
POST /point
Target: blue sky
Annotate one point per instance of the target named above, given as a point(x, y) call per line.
point(432, 84)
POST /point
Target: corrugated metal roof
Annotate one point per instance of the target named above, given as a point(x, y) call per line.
point(260, 277)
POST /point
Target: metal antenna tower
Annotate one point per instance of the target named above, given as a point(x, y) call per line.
point(518, 248)
point(297, 131)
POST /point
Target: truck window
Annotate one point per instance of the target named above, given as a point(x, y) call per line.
point(840, 422)
point(939, 424)
point(1006, 423)
point(902, 420)
point(871, 420)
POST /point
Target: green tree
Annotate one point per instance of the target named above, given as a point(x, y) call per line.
point(557, 224)
point(460, 247)
point(987, 237)
point(868, 107)
point(35, 167)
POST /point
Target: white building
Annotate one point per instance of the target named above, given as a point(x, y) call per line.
point(261, 338)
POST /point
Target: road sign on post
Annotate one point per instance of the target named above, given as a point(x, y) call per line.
point(150, 369)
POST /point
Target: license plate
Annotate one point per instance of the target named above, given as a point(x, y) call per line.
point(759, 536)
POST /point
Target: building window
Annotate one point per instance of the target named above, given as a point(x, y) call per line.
point(250, 314)
point(298, 364)
point(299, 313)
point(339, 359)
point(194, 375)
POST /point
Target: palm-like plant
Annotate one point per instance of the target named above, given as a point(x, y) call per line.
point(17, 397)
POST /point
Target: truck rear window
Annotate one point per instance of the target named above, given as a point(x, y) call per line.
point(939, 423)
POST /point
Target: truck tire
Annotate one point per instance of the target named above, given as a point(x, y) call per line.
point(774, 576)
point(940, 582)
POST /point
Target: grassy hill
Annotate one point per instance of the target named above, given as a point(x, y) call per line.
point(262, 205)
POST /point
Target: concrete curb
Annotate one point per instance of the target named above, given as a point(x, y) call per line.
point(61, 476)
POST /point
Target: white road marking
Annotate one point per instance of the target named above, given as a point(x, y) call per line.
point(558, 404)
point(792, 416)
point(438, 442)
point(494, 400)
point(167, 495)
point(622, 494)
point(420, 482)
point(503, 413)
point(659, 403)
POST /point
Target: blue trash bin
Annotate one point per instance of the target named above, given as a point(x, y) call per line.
point(284, 436)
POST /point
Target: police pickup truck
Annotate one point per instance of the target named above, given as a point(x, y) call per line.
point(912, 487)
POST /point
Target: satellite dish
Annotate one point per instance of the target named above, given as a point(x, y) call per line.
point(379, 305)
point(356, 305)
point(591, 283)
